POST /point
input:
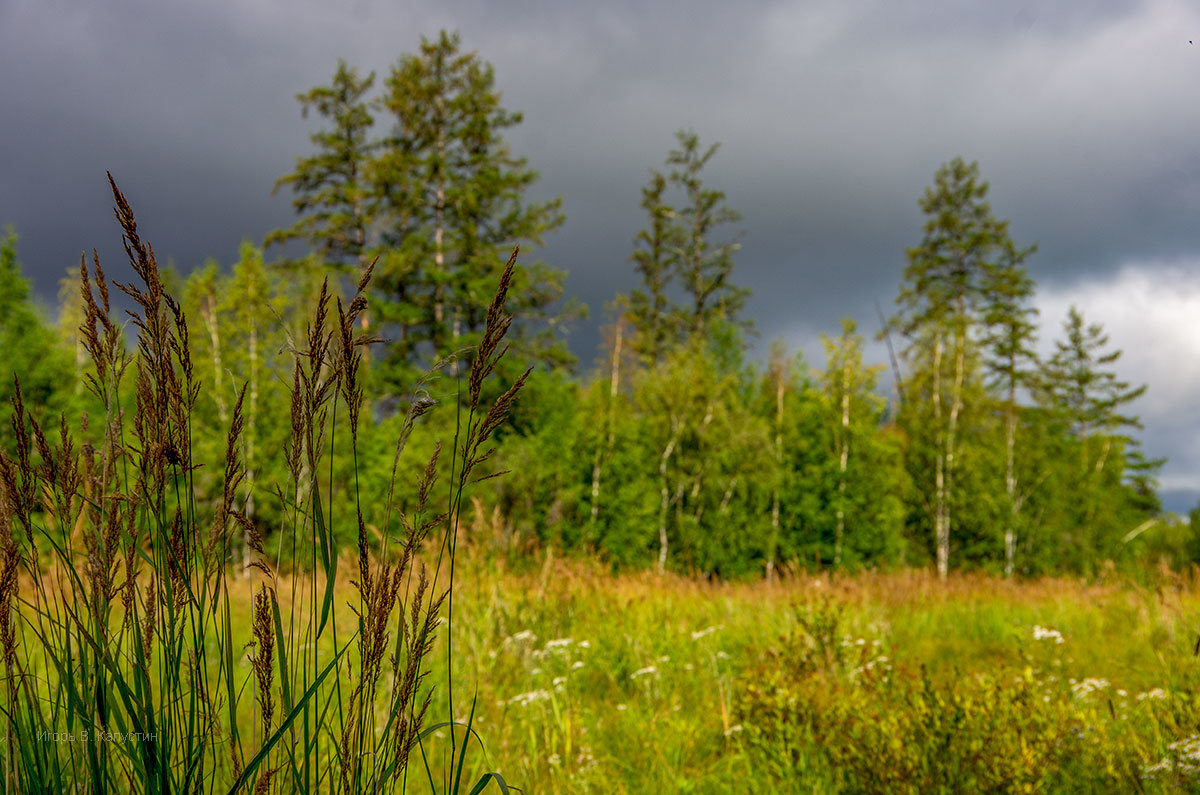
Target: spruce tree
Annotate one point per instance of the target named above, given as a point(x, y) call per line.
point(454, 206)
point(1080, 385)
point(940, 300)
point(332, 193)
point(1009, 336)
point(704, 265)
point(650, 309)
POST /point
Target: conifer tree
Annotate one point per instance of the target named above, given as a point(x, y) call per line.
point(650, 309)
point(685, 269)
point(1081, 386)
point(453, 198)
point(1009, 335)
point(939, 308)
point(331, 191)
point(703, 264)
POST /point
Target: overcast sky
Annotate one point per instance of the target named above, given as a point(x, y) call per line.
point(832, 116)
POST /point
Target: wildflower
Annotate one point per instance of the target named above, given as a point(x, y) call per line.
point(583, 644)
point(621, 707)
point(1090, 685)
point(732, 730)
point(555, 760)
point(1047, 633)
point(1186, 759)
point(575, 666)
point(522, 636)
point(1156, 693)
point(698, 634)
point(664, 659)
point(525, 699)
point(649, 670)
point(558, 643)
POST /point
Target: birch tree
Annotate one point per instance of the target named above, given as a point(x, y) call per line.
point(605, 445)
point(779, 375)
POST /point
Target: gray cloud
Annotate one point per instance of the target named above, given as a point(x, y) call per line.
point(832, 117)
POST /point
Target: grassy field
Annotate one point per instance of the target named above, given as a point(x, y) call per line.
point(878, 682)
point(588, 682)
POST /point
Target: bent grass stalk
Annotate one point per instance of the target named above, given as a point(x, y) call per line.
point(123, 665)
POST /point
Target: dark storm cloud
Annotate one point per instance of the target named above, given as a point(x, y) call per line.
point(832, 116)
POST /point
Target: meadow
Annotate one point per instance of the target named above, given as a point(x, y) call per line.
point(586, 681)
point(897, 682)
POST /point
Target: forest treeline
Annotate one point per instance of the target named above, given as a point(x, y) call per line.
point(678, 450)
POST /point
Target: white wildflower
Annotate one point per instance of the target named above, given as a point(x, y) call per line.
point(525, 699)
point(1089, 685)
point(649, 670)
point(621, 707)
point(1186, 759)
point(558, 643)
point(575, 666)
point(1047, 633)
point(1155, 694)
point(700, 633)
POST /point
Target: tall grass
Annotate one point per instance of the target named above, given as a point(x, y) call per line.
point(124, 666)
